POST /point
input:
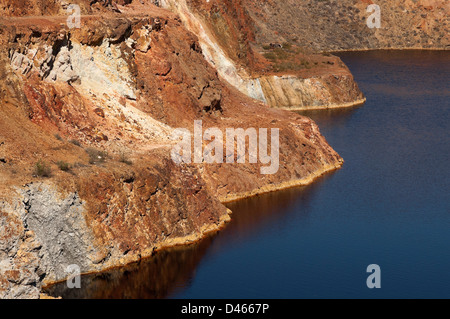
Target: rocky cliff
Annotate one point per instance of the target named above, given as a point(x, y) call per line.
point(86, 121)
point(279, 73)
point(87, 115)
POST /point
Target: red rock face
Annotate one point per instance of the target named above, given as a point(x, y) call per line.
point(175, 83)
point(233, 28)
point(28, 8)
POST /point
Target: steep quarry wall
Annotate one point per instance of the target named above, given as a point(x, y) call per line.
point(86, 117)
point(214, 53)
point(226, 34)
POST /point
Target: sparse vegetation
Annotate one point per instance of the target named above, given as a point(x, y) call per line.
point(96, 156)
point(281, 53)
point(270, 56)
point(287, 46)
point(42, 169)
point(123, 158)
point(58, 137)
point(75, 142)
point(289, 58)
point(286, 66)
point(64, 166)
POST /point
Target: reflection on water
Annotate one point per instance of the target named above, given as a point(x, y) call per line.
point(336, 117)
point(253, 214)
point(169, 271)
point(155, 277)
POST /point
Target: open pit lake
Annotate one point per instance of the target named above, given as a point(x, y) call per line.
point(389, 205)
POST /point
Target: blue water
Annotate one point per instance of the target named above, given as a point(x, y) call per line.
point(389, 205)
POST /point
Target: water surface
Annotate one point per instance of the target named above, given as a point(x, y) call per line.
point(389, 205)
